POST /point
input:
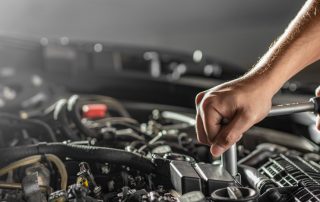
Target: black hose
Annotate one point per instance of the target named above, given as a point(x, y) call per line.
point(51, 135)
point(78, 152)
point(75, 104)
point(74, 114)
point(60, 115)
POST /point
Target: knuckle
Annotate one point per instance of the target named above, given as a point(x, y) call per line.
point(205, 104)
point(208, 102)
point(199, 97)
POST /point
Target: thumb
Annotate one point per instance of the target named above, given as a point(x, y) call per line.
point(231, 133)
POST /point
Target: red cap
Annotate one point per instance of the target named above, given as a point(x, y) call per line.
point(94, 111)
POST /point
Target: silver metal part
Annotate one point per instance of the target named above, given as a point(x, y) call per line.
point(178, 117)
point(291, 108)
point(229, 160)
point(152, 141)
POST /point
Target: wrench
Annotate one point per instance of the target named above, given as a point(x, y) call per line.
point(229, 158)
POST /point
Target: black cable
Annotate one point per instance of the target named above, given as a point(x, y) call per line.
point(50, 133)
point(78, 152)
point(75, 103)
point(74, 113)
point(59, 116)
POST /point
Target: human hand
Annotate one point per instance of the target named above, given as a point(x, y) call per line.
point(243, 102)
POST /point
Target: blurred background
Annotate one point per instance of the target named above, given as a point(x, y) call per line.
point(235, 31)
point(124, 74)
point(175, 48)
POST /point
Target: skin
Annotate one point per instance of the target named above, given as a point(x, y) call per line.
point(247, 100)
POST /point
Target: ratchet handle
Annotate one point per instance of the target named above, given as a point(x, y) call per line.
point(229, 158)
point(284, 109)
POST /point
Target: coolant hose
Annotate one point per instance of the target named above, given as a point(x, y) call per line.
point(78, 152)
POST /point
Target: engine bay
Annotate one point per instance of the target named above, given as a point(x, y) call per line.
point(95, 145)
point(89, 148)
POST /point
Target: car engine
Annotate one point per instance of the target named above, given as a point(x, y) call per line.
point(90, 148)
point(82, 144)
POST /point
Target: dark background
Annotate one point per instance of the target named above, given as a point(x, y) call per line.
point(235, 31)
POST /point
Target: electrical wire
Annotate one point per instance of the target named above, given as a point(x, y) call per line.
point(37, 158)
point(81, 153)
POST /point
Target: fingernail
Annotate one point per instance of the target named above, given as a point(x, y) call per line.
point(216, 150)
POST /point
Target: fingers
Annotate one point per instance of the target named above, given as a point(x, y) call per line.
point(201, 134)
point(208, 118)
point(231, 133)
point(211, 121)
point(199, 98)
point(200, 130)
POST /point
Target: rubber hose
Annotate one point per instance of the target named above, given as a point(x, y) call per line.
point(49, 133)
point(78, 152)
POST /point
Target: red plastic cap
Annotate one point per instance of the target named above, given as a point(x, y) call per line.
point(94, 111)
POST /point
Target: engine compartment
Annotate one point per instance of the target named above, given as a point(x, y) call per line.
point(112, 132)
point(89, 148)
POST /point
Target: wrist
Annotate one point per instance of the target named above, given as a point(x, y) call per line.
point(264, 81)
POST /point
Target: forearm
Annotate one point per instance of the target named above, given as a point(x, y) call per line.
point(237, 101)
point(297, 47)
